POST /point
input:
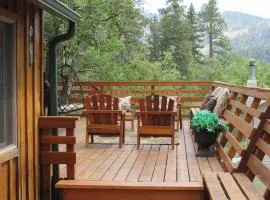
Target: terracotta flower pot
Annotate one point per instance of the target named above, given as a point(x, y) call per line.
point(205, 140)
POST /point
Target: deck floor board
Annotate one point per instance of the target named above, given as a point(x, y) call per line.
point(152, 162)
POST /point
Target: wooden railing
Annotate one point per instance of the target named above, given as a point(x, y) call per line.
point(49, 157)
point(191, 92)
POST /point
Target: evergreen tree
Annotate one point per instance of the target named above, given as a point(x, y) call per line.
point(154, 40)
point(196, 33)
point(175, 35)
point(213, 25)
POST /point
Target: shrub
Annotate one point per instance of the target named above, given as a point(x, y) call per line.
point(205, 121)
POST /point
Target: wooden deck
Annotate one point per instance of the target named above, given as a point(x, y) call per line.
point(105, 171)
point(151, 163)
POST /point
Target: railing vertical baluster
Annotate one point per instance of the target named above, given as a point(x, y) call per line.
point(70, 148)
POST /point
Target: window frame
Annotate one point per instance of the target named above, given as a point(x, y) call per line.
point(10, 150)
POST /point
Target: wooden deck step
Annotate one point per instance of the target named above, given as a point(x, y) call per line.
point(112, 190)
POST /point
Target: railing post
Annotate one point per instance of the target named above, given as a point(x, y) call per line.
point(49, 157)
point(152, 90)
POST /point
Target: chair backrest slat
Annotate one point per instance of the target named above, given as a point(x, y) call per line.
point(115, 107)
point(149, 107)
point(158, 104)
point(108, 117)
point(102, 102)
point(156, 119)
point(163, 108)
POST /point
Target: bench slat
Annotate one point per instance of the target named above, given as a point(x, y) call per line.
point(230, 187)
point(233, 141)
point(247, 187)
point(224, 156)
point(244, 127)
point(263, 146)
point(252, 111)
point(213, 185)
point(267, 126)
point(261, 171)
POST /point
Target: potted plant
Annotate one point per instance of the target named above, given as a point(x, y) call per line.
point(207, 127)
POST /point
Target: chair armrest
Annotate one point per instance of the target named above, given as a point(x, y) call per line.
point(120, 112)
point(157, 113)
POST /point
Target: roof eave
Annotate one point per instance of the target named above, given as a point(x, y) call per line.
point(57, 8)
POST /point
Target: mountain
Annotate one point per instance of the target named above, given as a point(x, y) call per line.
point(249, 35)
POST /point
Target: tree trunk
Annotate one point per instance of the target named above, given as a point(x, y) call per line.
point(211, 53)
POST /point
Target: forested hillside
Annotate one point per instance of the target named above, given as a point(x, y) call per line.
point(249, 35)
point(112, 43)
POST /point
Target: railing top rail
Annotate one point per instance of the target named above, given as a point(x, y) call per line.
point(261, 93)
point(147, 83)
point(229, 85)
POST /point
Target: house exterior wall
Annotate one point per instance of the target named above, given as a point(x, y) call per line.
point(19, 166)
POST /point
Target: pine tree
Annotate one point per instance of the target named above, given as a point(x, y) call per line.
point(175, 35)
point(154, 40)
point(213, 25)
point(196, 33)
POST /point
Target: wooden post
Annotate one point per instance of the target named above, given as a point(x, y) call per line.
point(152, 90)
point(49, 157)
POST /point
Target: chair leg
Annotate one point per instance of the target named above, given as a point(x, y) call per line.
point(138, 141)
point(172, 141)
point(177, 125)
point(120, 140)
point(92, 139)
point(132, 124)
point(124, 132)
point(181, 124)
point(86, 139)
point(124, 138)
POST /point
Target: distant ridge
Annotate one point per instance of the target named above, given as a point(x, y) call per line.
point(249, 35)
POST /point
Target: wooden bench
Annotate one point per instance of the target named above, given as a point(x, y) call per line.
point(248, 138)
point(238, 185)
point(193, 112)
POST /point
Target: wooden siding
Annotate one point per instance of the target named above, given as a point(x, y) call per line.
point(19, 174)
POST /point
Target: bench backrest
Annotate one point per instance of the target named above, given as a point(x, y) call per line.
point(243, 116)
point(259, 149)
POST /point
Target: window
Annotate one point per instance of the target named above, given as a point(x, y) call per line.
point(7, 85)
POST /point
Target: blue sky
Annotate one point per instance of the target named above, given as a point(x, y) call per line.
point(253, 7)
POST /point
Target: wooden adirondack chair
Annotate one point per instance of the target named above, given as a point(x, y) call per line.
point(104, 118)
point(156, 119)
